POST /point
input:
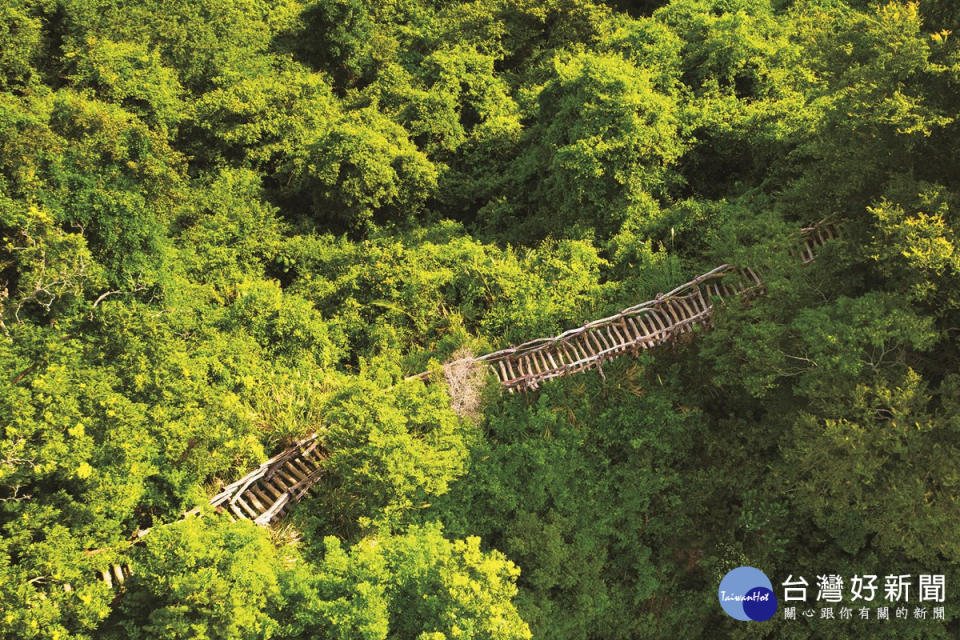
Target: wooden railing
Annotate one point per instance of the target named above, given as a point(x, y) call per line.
point(263, 495)
point(266, 493)
point(634, 329)
point(270, 490)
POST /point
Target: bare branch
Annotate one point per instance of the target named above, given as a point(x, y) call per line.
point(16, 497)
point(107, 294)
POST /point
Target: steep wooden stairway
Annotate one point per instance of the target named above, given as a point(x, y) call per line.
point(269, 491)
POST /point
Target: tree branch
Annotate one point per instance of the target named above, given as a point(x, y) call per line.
point(106, 294)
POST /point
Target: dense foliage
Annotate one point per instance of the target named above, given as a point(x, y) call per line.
point(225, 224)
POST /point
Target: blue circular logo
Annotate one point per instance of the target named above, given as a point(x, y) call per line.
point(747, 594)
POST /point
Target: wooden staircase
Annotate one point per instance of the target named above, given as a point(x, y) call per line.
point(269, 491)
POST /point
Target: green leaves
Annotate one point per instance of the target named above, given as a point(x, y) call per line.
point(390, 453)
point(915, 245)
point(50, 270)
point(202, 578)
point(603, 142)
point(336, 36)
point(20, 45)
point(580, 489)
point(361, 165)
point(416, 585)
point(226, 224)
point(877, 111)
point(130, 75)
point(856, 339)
point(98, 171)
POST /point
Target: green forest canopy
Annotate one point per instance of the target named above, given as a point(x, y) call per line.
point(225, 224)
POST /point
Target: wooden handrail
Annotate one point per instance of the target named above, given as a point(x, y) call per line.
point(270, 490)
